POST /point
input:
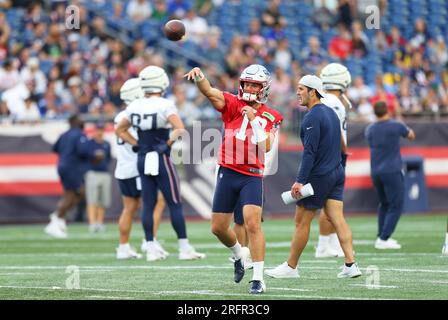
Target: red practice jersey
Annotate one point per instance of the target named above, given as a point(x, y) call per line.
point(239, 150)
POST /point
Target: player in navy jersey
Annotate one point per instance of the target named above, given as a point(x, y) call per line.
point(321, 166)
point(152, 117)
point(383, 138)
point(72, 165)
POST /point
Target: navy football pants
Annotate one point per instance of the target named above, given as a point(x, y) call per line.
point(390, 190)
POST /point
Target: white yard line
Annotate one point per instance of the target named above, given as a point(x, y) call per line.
point(197, 292)
point(198, 267)
point(374, 286)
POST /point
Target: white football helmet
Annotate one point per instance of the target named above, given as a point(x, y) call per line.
point(131, 90)
point(153, 79)
point(257, 74)
point(335, 76)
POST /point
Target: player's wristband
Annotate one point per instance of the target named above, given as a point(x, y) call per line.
point(199, 78)
point(258, 131)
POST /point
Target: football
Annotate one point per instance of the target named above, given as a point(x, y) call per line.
point(174, 30)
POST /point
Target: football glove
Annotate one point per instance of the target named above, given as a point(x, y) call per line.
point(136, 148)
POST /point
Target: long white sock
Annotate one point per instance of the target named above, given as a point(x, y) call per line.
point(236, 250)
point(258, 270)
point(184, 244)
point(323, 242)
point(446, 238)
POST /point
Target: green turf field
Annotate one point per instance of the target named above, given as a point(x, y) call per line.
point(33, 266)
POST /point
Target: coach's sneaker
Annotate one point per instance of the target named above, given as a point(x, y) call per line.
point(154, 255)
point(387, 244)
point(60, 222)
point(190, 254)
point(350, 272)
point(126, 252)
point(283, 271)
point(53, 229)
point(257, 287)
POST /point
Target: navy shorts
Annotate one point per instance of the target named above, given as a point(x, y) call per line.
point(71, 179)
point(233, 187)
point(131, 187)
point(329, 186)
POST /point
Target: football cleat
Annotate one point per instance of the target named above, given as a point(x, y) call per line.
point(127, 253)
point(190, 254)
point(325, 252)
point(387, 244)
point(53, 229)
point(238, 270)
point(59, 221)
point(160, 248)
point(154, 255)
point(350, 272)
point(257, 287)
point(283, 271)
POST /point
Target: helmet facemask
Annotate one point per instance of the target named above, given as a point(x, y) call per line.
point(255, 74)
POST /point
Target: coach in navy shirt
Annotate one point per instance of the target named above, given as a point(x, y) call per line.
point(383, 138)
point(98, 179)
point(72, 165)
point(321, 167)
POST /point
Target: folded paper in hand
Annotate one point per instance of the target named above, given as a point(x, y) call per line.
point(306, 191)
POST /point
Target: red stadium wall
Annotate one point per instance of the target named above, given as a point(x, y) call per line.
point(30, 188)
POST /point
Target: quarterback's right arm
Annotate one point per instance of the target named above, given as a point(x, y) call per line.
point(215, 96)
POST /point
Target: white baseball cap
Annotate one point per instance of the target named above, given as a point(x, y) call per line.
point(313, 82)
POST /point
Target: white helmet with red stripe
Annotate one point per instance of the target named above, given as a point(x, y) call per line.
point(255, 73)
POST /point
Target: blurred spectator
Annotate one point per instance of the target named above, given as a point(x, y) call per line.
point(196, 27)
point(5, 31)
point(178, 8)
point(313, 55)
point(30, 112)
point(420, 35)
point(75, 98)
point(365, 111)
point(395, 40)
point(280, 88)
point(358, 90)
point(340, 46)
point(203, 7)
point(32, 72)
point(271, 16)
point(160, 12)
point(213, 51)
point(54, 46)
point(15, 97)
point(359, 46)
point(437, 53)
point(188, 112)
point(390, 99)
point(345, 12)
point(408, 100)
point(443, 90)
point(139, 10)
point(9, 76)
point(325, 13)
point(283, 55)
